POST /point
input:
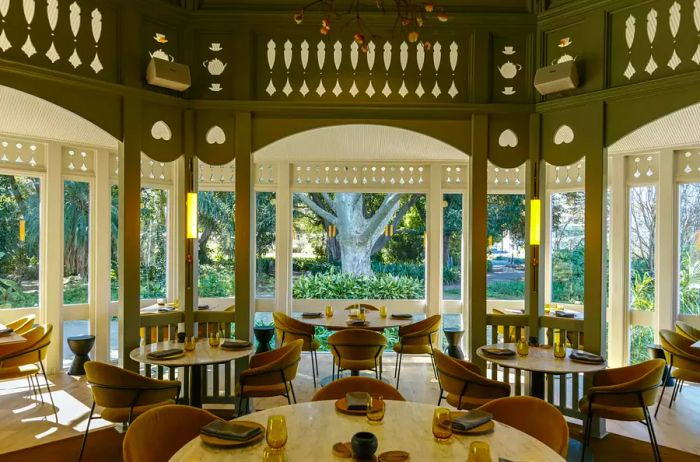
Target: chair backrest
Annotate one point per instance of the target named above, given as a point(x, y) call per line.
point(629, 382)
point(687, 330)
point(679, 351)
point(159, 433)
point(357, 344)
point(113, 387)
point(23, 324)
point(289, 329)
point(366, 306)
point(463, 378)
point(376, 388)
point(423, 332)
point(533, 416)
point(29, 352)
point(280, 365)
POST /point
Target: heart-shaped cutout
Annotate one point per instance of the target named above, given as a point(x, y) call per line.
point(508, 139)
point(216, 135)
point(563, 135)
point(161, 131)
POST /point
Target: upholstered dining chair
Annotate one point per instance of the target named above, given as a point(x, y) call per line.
point(26, 359)
point(688, 331)
point(549, 426)
point(366, 306)
point(623, 393)
point(124, 395)
point(271, 374)
point(376, 388)
point(463, 383)
point(289, 329)
point(23, 324)
point(417, 339)
point(357, 350)
point(682, 358)
point(160, 432)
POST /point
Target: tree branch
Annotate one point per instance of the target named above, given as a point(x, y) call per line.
point(383, 215)
point(306, 199)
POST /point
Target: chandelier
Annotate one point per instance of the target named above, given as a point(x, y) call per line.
point(411, 17)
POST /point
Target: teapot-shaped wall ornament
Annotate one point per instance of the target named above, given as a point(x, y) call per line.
point(160, 54)
point(509, 70)
point(215, 66)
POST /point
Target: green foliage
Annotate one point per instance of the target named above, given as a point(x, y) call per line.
point(567, 275)
point(216, 280)
point(343, 286)
point(506, 216)
point(640, 337)
point(689, 291)
point(391, 334)
point(505, 290)
point(643, 292)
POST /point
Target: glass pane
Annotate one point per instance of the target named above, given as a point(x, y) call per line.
point(358, 246)
point(689, 244)
point(19, 241)
point(640, 338)
point(642, 235)
point(216, 243)
point(154, 242)
point(505, 278)
point(452, 246)
point(265, 210)
point(567, 246)
point(114, 339)
point(76, 241)
point(73, 329)
point(114, 267)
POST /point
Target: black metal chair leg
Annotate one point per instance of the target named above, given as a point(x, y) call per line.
point(652, 434)
point(663, 389)
point(87, 429)
point(291, 387)
point(313, 368)
point(396, 367)
point(432, 360)
point(398, 373)
point(586, 432)
point(46, 379)
point(674, 393)
point(440, 397)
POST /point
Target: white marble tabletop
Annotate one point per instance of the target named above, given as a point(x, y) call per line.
point(202, 355)
point(314, 427)
point(539, 359)
point(340, 319)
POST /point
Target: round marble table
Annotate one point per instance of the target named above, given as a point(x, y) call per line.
point(340, 317)
point(202, 356)
point(314, 427)
point(539, 361)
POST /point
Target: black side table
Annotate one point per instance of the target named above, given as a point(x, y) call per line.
point(263, 334)
point(657, 351)
point(454, 338)
point(81, 346)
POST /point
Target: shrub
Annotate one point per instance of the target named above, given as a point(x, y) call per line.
point(347, 286)
point(506, 290)
point(216, 281)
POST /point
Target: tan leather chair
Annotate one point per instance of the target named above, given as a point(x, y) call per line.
point(417, 339)
point(535, 417)
point(124, 395)
point(339, 388)
point(160, 432)
point(688, 331)
point(357, 350)
point(271, 374)
point(464, 384)
point(26, 359)
point(289, 329)
point(23, 324)
point(623, 393)
point(682, 358)
point(366, 306)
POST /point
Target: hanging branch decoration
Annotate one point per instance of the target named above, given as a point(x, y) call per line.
point(411, 16)
point(28, 47)
point(4, 42)
point(52, 15)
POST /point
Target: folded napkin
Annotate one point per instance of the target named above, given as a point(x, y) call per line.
point(402, 316)
point(166, 309)
point(584, 356)
point(203, 307)
point(471, 419)
point(564, 314)
point(229, 430)
point(357, 400)
point(498, 351)
point(228, 343)
point(311, 314)
point(357, 322)
point(164, 353)
point(6, 331)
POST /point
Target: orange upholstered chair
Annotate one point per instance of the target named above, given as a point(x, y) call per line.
point(289, 329)
point(357, 350)
point(23, 324)
point(417, 339)
point(376, 388)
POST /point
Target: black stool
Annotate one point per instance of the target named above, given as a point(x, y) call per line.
point(454, 338)
point(81, 346)
point(263, 334)
point(657, 351)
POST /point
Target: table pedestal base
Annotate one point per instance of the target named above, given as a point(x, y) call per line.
point(537, 384)
point(196, 386)
point(329, 378)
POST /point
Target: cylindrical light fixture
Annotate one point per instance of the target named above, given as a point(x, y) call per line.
point(535, 218)
point(22, 229)
point(191, 215)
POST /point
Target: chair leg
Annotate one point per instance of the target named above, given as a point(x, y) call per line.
point(87, 429)
point(38, 389)
point(398, 372)
point(313, 368)
point(674, 393)
point(652, 434)
point(663, 389)
point(681, 389)
point(291, 387)
point(586, 431)
point(316, 360)
point(432, 360)
point(286, 389)
point(396, 367)
point(440, 397)
point(46, 379)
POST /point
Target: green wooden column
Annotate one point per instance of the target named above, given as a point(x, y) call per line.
point(479, 240)
point(534, 255)
point(130, 233)
point(188, 276)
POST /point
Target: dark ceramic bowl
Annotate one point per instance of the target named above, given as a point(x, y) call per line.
point(364, 445)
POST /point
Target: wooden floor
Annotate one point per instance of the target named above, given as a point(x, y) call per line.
point(26, 422)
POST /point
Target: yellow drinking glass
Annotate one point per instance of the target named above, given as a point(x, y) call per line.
point(522, 347)
point(361, 315)
point(442, 424)
point(479, 451)
point(329, 311)
point(190, 343)
point(382, 311)
point(276, 434)
point(375, 410)
point(273, 455)
point(559, 350)
point(214, 339)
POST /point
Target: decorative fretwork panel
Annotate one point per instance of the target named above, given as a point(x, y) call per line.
point(566, 177)
point(506, 180)
point(454, 176)
point(403, 176)
point(78, 161)
point(22, 155)
point(688, 164)
point(266, 174)
point(642, 168)
point(152, 171)
point(299, 68)
point(217, 175)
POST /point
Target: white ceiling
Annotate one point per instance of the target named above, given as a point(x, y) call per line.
point(359, 143)
point(27, 116)
point(676, 130)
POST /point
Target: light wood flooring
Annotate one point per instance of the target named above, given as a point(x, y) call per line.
point(26, 422)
